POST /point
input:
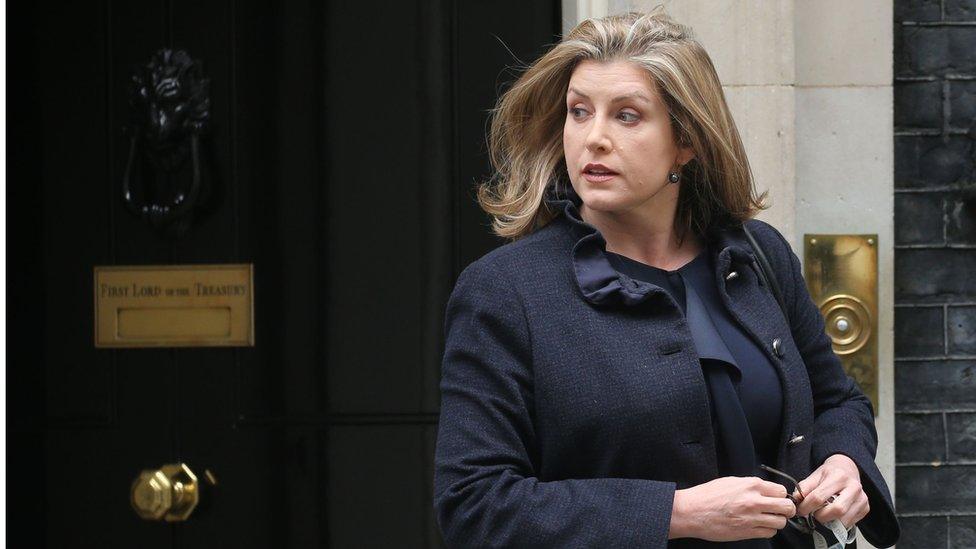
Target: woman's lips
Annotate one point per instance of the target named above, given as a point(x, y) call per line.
point(598, 177)
point(598, 173)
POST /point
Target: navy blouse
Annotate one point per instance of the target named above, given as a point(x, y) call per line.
point(744, 388)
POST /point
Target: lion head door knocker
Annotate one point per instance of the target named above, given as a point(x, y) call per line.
point(170, 114)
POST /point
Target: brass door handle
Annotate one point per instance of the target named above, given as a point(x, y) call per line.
point(169, 493)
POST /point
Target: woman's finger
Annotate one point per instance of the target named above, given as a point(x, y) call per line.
point(818, 496)
point(762, 533)
point(847, 501)
point(850, 507)
point(808, 484)
point(822, 474)
point(771, 520)
point(773, 489)
point(778, 506)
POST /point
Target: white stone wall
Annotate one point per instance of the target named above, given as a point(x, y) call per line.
point(845, 156)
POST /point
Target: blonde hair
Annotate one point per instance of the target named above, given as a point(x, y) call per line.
point(525, 140)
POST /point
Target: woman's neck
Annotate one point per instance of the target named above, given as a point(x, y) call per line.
point(653, 241)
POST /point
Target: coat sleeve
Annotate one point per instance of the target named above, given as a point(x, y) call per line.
point(486, 489)
point(843, 415)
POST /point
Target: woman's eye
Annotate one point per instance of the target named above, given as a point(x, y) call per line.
point(578, 112)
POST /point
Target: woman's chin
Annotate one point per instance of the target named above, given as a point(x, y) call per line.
point(603, 199)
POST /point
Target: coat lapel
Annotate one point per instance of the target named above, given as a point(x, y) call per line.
point(754, 307)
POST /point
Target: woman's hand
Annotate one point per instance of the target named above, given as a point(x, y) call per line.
point(839, 478)
point(730, 509)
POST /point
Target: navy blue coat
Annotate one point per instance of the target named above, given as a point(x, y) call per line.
point(573, 403)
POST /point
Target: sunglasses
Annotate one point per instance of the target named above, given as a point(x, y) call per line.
point(806, 524)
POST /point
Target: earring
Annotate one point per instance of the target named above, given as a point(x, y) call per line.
point(673, 177)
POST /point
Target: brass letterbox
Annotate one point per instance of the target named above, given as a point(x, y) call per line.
point(174, 306)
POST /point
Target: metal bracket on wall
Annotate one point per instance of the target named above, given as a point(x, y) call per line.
point(841, 272)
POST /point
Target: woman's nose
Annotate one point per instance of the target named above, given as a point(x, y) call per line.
point(597, 139)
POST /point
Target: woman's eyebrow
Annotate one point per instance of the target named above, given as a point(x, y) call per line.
point(631, 95)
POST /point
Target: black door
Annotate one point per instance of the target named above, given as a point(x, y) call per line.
point(345, 140)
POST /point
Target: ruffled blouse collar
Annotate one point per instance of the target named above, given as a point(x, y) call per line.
point(599, 282)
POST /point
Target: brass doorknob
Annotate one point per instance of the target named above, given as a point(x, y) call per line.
point(169, 493)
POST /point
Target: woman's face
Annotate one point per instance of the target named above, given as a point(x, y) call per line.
point(616, 118)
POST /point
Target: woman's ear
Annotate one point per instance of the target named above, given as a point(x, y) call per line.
point(685, 155)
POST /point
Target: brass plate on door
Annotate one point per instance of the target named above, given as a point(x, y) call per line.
point(841, 272)
point(174, 306)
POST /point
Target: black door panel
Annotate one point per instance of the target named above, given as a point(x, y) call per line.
point(344, 144)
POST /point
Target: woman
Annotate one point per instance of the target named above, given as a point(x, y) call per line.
point(620, 374)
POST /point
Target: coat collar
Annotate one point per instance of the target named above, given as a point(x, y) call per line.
point(600, 283)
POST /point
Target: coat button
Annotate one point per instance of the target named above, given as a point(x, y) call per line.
point(796, 439)
point(778, 347)
point(731, 275)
